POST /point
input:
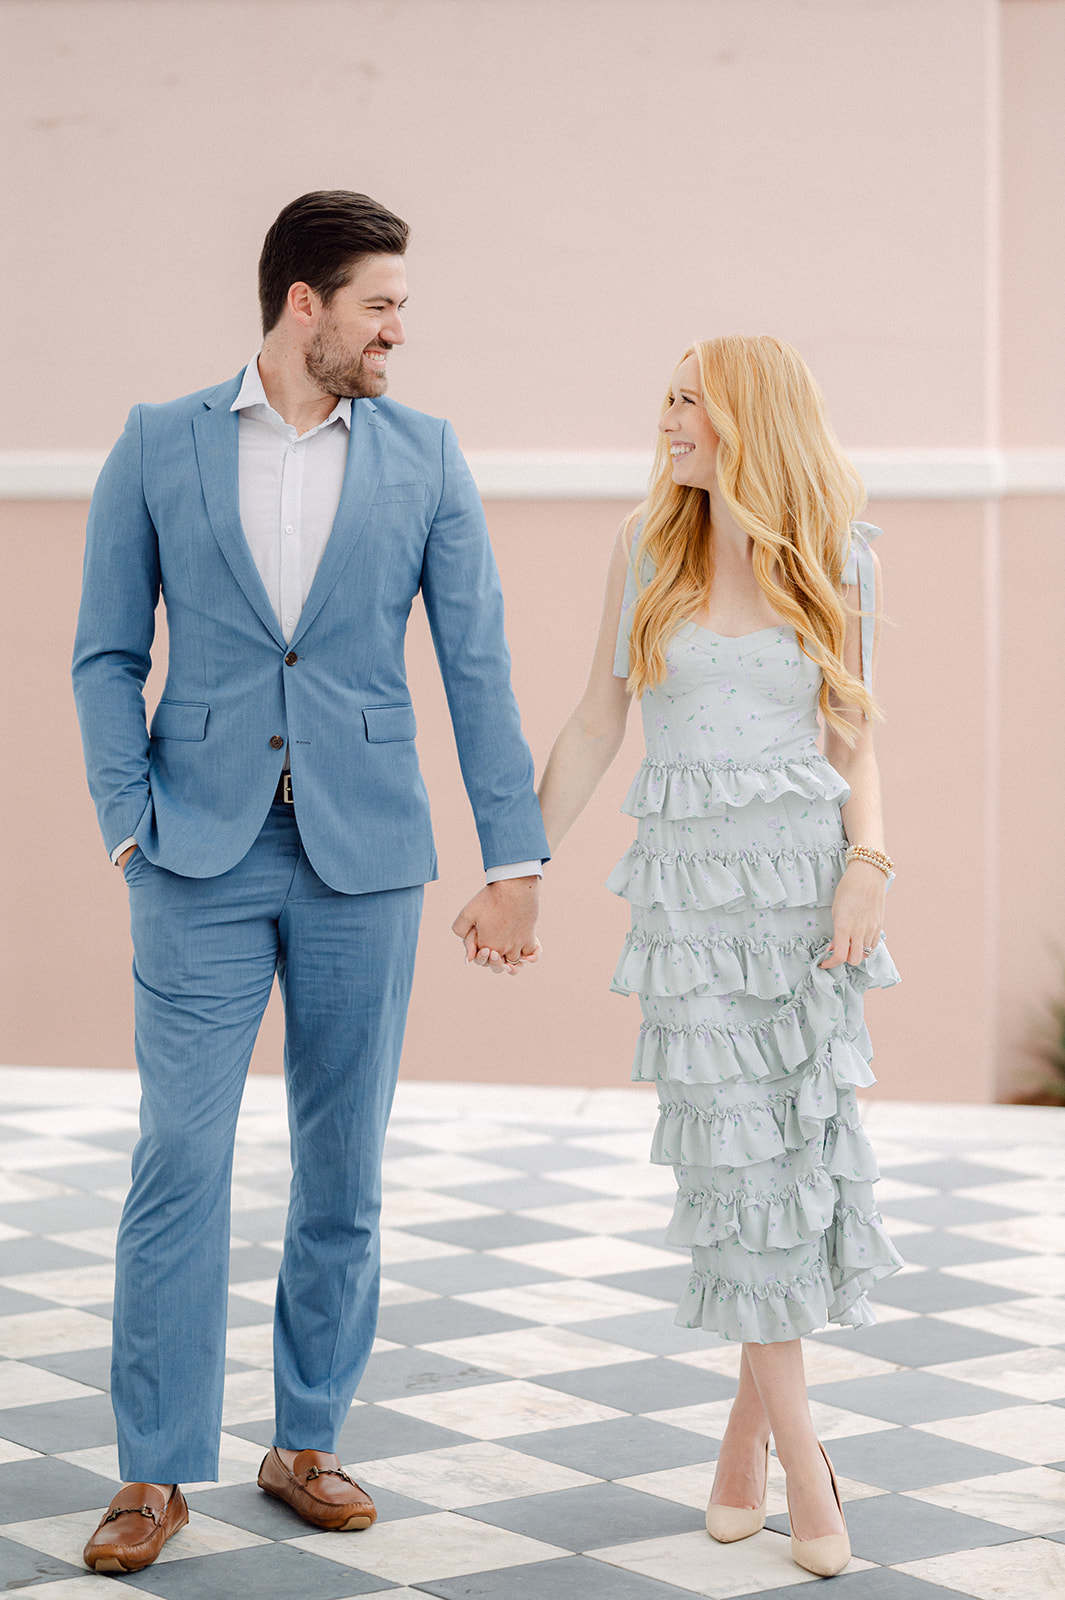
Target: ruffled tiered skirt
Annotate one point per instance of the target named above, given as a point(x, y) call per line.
point(756, 1051)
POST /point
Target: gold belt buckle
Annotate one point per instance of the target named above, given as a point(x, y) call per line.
point(286, 788)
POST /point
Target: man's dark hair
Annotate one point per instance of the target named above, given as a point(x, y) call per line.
point(319, 240)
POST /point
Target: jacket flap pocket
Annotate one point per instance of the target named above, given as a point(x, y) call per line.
point(388, 724)
point(400, 491)
point(179, 719)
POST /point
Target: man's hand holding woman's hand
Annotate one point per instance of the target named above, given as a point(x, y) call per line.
point(498, 926)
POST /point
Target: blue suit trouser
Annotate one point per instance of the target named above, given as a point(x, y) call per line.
point(205, 954)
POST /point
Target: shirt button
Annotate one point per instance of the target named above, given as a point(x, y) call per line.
point(290, 529)
point(291, 659)
point(292, 447)
point(277, 743)
point(290, 622)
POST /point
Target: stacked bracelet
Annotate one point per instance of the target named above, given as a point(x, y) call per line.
point(875, 858)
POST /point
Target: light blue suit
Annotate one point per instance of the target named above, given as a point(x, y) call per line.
point(226, 888)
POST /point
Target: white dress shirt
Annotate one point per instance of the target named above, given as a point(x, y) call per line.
point(290, 485)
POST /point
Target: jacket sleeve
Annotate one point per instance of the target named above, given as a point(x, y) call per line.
point(112, 649)
point(464, 602)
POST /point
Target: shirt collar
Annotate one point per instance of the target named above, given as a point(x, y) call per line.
point(252, 393)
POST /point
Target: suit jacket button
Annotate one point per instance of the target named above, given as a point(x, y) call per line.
point(277, 743)
point(291, 659)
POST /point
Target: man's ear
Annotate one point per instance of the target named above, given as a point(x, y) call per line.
point(304, 304)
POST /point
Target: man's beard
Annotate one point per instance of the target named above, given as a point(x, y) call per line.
point(336, 371)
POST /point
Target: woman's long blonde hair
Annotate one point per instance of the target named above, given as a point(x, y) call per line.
point(786, 483)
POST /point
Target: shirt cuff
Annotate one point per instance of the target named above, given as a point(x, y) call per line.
point(117, 851)
point(519, 869)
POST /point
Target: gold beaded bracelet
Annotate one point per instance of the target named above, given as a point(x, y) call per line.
point(875, 858)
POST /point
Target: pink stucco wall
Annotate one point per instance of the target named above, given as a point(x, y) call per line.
point(592, 183)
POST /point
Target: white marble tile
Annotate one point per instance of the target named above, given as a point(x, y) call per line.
point(535, 1352)
point(251, 1159)
point(881, 1310)
point(1027, 1194)
point(824, 1363)
point(462, 1137)
point(16, 1186)
point(889, 1153)
point(588, 1256)
point(71, 1121)
point(410, 1208)
point(691, 1486)
point(22, 1385)
point(1039, 1234)
point(1031, 1569)
point(631, 1145)
point(248, 1396)
point(497, 1410)
point(1035, 1374)
point(421, 1549)
point(380, 1345)
point(254, 1345)
point(263, 1127)
point(68, 1286)
point(81, 1588)
point(711, 1418)
point(1028, 1433)
point(441, 1169)
point(394, 1293)
point(616, 1215)
point(625, 1180)
point(1031, 1500)
point(24, 1155)
point(47, 1333)
point(10, 1451)
point(692, 1561)
point(243, 1197)
point(568, 1300)
point(889, 1189)
point(397, 1247)
point(238, 1462)
point(899, 1227)
point(467, 1475)
point(263, 1291)
point(98, 1241)
point(64, 1537)
point(8, 1232)
point(1040, 1320)
point(1038, 1275)
point(1031, 1160)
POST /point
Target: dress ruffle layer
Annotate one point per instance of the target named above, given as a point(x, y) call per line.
point(675, 789)
point(711, 880)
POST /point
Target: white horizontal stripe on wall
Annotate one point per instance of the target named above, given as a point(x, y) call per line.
point(622, 474)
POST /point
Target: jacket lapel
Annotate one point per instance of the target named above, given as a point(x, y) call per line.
point(366, 449)
point(215, 431)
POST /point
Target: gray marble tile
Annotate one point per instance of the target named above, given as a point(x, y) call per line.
point(619, 1448)
point(664, 1283)
point(262, 1225)
point(44, 1488)
point(371, 1433)
point(253, 1261)
point(20, 1566)
point(911, 1396)
point(653, 1331)
point(13, 1301)
point(84, 1366)
point(941, 1248)
point(466, 1274)
point(590, 1517)
point(949, 1210)
point(124, 1139)
point(518, 1193)
point(889, 1529)
point(246, 1506)
point(577, 1578)
point(550, 1157)
point(94, 1176)
point(641, 1386)
point(935, 1291)
point(905, 1458)
point(955, 1172)
point(39, 1255)
point(244, 1313)
point(61, 1424)
point(61, 1213)
point(922, 1342)
point(427, 1321)
point(265, 1572)
point(492, 1232)
point(411, 1371)
point(875, 1583)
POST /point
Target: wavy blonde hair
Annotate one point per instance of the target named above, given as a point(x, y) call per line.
point(787, 484)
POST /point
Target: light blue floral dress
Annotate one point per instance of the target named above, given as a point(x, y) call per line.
point(755, 1049)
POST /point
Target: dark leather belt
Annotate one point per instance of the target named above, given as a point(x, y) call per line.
point(283, 792)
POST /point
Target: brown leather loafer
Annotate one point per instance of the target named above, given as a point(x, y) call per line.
point(137, 1524)
point(319, 1490)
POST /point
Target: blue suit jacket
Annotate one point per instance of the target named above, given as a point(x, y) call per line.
point(195, 791)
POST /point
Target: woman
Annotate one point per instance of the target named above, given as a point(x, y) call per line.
point(740, 605)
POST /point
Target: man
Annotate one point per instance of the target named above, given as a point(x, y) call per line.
point(275, 820)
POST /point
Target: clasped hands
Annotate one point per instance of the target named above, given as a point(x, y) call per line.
point(498, 926)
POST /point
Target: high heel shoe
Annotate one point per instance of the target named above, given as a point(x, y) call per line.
point(827, 1556)
point(726, 1524)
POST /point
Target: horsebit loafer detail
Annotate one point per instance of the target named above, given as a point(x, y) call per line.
point(319, 1490)
point(137, 1524)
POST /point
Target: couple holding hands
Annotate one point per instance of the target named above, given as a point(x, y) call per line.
point(274, 820)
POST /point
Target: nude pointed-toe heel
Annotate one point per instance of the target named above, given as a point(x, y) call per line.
point(827, 1556)
point(726, 1524)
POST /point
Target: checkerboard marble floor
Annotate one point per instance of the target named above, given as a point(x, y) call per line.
point(531, 1424)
